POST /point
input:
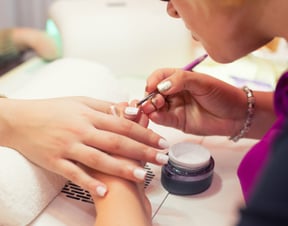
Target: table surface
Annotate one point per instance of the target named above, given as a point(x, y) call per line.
point(218, 205)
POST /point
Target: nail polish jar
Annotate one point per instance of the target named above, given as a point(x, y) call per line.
point(189, 169)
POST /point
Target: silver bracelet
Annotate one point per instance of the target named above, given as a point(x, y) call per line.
point(249, 117)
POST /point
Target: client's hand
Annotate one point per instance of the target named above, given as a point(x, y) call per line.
point(59, 134)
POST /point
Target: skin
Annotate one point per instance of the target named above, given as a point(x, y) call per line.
point(59, 134)
point(196, 103)
point(203, 105)
point(234, 16)
point(126, 200)
point(200, 104)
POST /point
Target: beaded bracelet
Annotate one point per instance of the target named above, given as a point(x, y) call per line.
point(250, 115)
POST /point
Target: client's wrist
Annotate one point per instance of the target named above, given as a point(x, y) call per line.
point(117, 184)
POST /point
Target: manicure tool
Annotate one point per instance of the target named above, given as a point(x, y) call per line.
point(188, 67)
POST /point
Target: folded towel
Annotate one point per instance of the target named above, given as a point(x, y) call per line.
point(69, 77)
point(25, 189)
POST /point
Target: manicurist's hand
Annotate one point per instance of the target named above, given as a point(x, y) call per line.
point(195, 103)
point(63, 134)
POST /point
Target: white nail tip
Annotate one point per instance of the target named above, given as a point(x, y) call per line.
point(163, 143)
point(163, 86)
point(101, 191)
point(131, 111)
point(162, 158)
point(139, 174)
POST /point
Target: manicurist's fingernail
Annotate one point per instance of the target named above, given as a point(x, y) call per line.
point(162, 158)
point(163, 143)
point(164, 86)
point(101, 190)
point(131, 110)
point(139, 174)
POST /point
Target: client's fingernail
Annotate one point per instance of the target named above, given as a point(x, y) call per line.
point(139, 174)
point(131, 110)
point(101, 190)
point(162, 158)
point(164, 86)
point(113, 110)
point(163, 143)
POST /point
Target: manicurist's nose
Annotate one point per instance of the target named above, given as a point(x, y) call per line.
point(172, 11)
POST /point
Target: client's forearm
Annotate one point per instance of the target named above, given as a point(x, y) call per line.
point(124, 204)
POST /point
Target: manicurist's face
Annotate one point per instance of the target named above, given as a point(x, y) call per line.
point(228, 29)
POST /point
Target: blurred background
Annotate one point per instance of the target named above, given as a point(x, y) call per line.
point(133, 37)
point(32, 13)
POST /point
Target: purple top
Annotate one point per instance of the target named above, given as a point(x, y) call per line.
point(253, 162)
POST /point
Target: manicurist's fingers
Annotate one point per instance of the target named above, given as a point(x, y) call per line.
point(195, 83)
point(156, 103)
point(158, 76)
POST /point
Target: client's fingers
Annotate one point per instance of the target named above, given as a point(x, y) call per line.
point(101, 161)
point(119, 129)
point(74, 172)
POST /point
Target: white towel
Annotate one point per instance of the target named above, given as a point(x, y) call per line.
point(26, 189)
